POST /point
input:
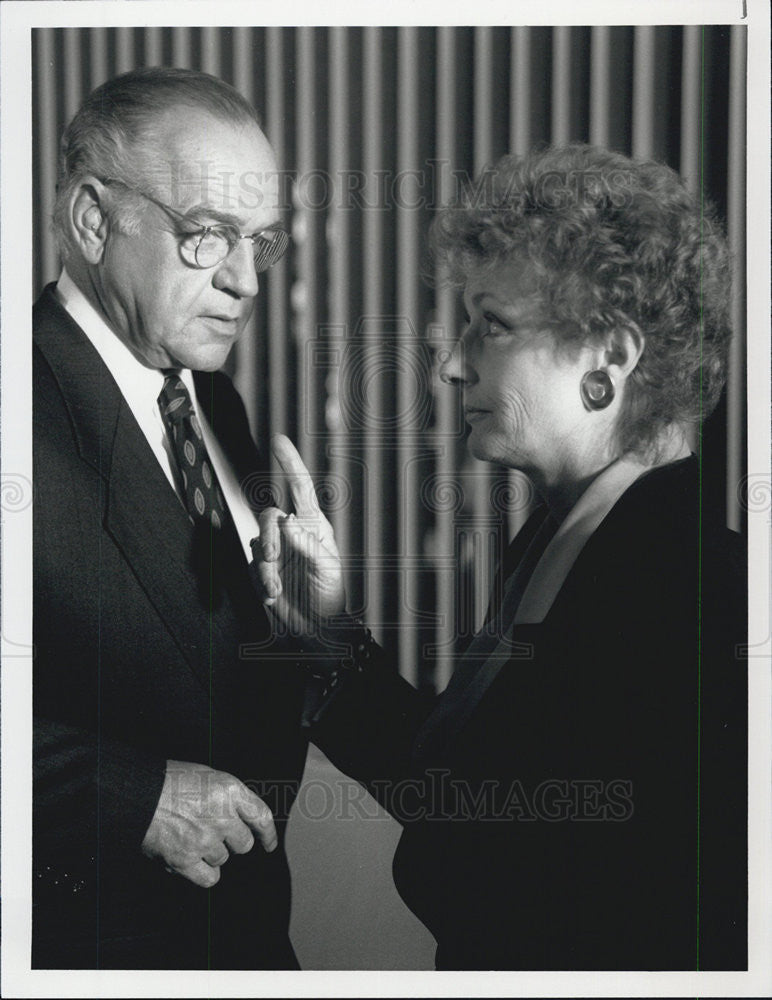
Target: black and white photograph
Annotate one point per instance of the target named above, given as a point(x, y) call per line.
point(386, 500)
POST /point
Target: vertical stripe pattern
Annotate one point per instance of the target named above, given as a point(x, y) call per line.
point(374, 128)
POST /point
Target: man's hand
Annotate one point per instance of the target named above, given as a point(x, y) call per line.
point(201, 817)
point(296, 556)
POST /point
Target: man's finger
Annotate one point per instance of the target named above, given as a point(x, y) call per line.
point(217, 856)
point(200, 873)
point(240, 842)
point(259, 818)
point(299, 480)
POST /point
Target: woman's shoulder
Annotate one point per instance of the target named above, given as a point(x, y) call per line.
point(667, 493)
point(656, 542)
point(667, 538)
point(670, 504)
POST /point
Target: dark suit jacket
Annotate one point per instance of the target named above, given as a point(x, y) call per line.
point(591, 813)
point(138, 661)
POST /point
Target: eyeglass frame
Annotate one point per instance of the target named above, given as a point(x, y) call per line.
point(204, 231)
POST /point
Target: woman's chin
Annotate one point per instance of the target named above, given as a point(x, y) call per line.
point(480, 446)
point(487, 448)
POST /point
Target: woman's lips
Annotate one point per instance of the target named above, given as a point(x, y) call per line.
point(473, 415)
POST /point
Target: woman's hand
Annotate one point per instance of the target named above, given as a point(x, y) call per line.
point(296, 556)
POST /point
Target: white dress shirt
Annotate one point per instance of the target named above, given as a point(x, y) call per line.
point(140, 387)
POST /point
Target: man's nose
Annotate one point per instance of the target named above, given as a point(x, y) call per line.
point(237, 273)
point(455, 369)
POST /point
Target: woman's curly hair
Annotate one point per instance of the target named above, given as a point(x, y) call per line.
point(611, 243)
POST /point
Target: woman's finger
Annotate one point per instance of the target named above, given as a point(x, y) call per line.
point(298, 540)
point(322, 580)
point(266, 553)
point(268, 544)
point(299, 480)
point(269, 578)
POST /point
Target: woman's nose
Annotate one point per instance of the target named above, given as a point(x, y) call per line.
point(455, 368)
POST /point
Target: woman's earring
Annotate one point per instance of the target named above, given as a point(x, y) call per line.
point(597, 388)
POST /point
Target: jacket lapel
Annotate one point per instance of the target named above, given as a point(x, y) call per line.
point(143, 514)
point(490, 650)
point(225, 413)
point(152, 529)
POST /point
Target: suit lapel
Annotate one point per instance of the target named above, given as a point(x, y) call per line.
point(153, 531)
point(142, 512)
point(225, 413)
point(495, 646)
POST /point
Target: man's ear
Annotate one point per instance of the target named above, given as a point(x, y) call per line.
point(88, 221)
point(623, 349)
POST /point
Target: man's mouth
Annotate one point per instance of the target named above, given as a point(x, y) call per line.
point(228, 327)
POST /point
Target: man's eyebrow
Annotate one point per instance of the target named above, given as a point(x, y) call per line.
point(223, 218)
point(201, 210)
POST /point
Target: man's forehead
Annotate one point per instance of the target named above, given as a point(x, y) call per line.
point(202, 162)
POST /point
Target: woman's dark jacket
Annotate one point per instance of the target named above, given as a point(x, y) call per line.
point(591, 813)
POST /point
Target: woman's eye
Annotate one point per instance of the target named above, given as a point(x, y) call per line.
point(494, 327)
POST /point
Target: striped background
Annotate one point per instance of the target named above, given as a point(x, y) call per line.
point(375, 127)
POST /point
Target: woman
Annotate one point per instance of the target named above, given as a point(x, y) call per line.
point(576, 798)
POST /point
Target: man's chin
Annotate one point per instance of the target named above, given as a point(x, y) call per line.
point(205, 359)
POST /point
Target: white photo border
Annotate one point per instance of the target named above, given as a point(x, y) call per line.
point(17, 19)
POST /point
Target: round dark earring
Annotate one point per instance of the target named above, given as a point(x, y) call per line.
point(597, 388)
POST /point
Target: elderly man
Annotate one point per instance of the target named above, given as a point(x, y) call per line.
point(153, 736)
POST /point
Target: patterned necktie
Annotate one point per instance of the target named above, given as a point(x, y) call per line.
point(203, 497)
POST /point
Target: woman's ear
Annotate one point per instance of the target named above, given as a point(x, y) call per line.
point(88, 222)
point(623, 349)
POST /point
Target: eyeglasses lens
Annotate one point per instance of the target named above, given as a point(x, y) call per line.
point(213, 247)
point(269, 247)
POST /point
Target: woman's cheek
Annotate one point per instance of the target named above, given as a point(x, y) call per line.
point(513, 411)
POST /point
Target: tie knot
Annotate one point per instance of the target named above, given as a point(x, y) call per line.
point(174, 400)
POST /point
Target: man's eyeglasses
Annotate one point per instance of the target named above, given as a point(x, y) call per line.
point(207, 246)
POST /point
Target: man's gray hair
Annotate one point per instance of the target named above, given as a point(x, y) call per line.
point(115, 133)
